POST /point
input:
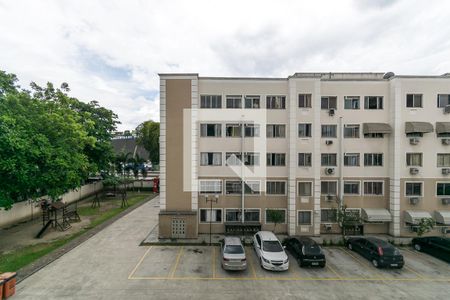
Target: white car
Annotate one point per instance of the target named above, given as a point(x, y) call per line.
point(233, 254)
point(270, 252)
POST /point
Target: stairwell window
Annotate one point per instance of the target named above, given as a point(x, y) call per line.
point(210, 158)
point(304, 159)
point(210, 130)
point(443, 160)
point(328, 102)
point(234, 101)
point(276, 131)
point(373, 102)
point(210, 101)
point(414, 159)
point(252, 102)
point(351, 102)
point(414, 100)
point(276, 159)
point(276, 102)
point(304, 100)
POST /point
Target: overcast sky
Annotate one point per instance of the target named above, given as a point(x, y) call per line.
point(112, 51)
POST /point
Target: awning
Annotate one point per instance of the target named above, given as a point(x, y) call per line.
point(376, 215)
point(376, 128)
point(442, 217)
point(422, 127)
point(442, 127)
point(414, 217)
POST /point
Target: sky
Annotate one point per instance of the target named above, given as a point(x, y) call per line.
point(112, 51)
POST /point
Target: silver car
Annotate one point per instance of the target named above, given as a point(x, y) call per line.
point(233, 254)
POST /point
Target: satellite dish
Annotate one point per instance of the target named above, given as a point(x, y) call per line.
point(388, 75)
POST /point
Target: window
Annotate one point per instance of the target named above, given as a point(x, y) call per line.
point(276, 102)
point(276, 159)
point(233, 158)
point(351, 131)
point(329, 131)
point(443, 160)
point(304, 159)
point(304, 217)
point(328, 215)
point(252, 187)
point(208, 215)
point(304, 130)
point(351, 187)
point(210, 158)
point(414, 100)
point(234, 101)
point(251, 130)
point(443, 100)
point(233, 130)
point(413, 189)
point(375, 135)
point(373, 188)
point(233, 215)
point(304, 100)
point(414, 159)
point(305, 188)
point(210, 130)
point(414, 134)
point(328, 159)
point(443, 189)
point(328, 102)
point(252, 102)
point(373, 102)
point(269, 216)
point(210, 186)
point(251, 215)
point(210, 101)
point(276, 187)
point(373, 159)
point(233, 187)
point(351, 159)
point(328, 187)
point(251, 159)
point(351, 102)
point(276, 131)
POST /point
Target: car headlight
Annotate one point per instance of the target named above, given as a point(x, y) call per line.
point(265, 260)
point(286, 261)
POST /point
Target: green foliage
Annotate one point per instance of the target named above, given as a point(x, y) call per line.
point(276, 216)
point(49, 142)
point(148, 137)
point(347, 218)
point(425, 225)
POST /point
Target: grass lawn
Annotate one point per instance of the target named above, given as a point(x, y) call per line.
point(24, 256)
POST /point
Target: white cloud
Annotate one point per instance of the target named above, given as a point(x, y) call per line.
point(111, 51)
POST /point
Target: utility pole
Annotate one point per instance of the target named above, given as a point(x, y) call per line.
point(215, 199)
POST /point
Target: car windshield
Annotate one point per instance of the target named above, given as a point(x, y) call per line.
point(272, 246)
point(233, 249)
point(387, 250)
point(314, 250)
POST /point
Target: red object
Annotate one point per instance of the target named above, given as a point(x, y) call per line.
point(156, 185)
point(380, 251)
point(1, 289)
point(9, 284)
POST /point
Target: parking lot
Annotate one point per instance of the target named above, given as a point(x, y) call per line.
point(203, 263)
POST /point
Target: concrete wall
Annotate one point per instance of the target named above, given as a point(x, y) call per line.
point(27, 210)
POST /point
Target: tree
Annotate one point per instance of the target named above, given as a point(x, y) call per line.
point(346, 218)
point(276, 216)
point(148, 137)
point(425, 225)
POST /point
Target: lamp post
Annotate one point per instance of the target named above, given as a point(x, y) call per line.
point(214, 199)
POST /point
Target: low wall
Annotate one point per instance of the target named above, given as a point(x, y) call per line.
point(28, 210)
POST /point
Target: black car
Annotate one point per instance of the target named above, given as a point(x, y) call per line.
point(438, 247)
point(379, 252)
point(306, 251)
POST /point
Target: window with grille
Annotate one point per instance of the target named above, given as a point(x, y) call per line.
point(210, 101)
point(210, 186)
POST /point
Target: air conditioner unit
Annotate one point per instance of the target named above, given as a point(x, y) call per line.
point(329, 142)
point(413, 171)
point(414, 141)
point(331, 111)
point(414, 200)
point(327, 226)
point(445, 142)
point(329, 197)
point(445, 171)
point(447, 109)
point(329, 171)
point(445, 201)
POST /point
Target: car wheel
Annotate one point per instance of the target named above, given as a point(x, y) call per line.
point(349, 246)
point(417, 247)
point(322, 265)
point(375, 263)
point(261, 263)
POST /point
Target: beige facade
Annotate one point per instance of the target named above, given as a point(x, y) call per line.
point(335, 138)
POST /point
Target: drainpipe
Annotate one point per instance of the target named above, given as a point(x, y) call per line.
point(242, 171)
point(341, 164)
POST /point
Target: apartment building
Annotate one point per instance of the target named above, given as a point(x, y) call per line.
point(233, 150)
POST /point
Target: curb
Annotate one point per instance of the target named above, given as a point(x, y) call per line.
point(47, 259)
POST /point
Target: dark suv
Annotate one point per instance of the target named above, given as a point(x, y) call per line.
point(379, 252)
point(436, 246)
point(306, 251)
